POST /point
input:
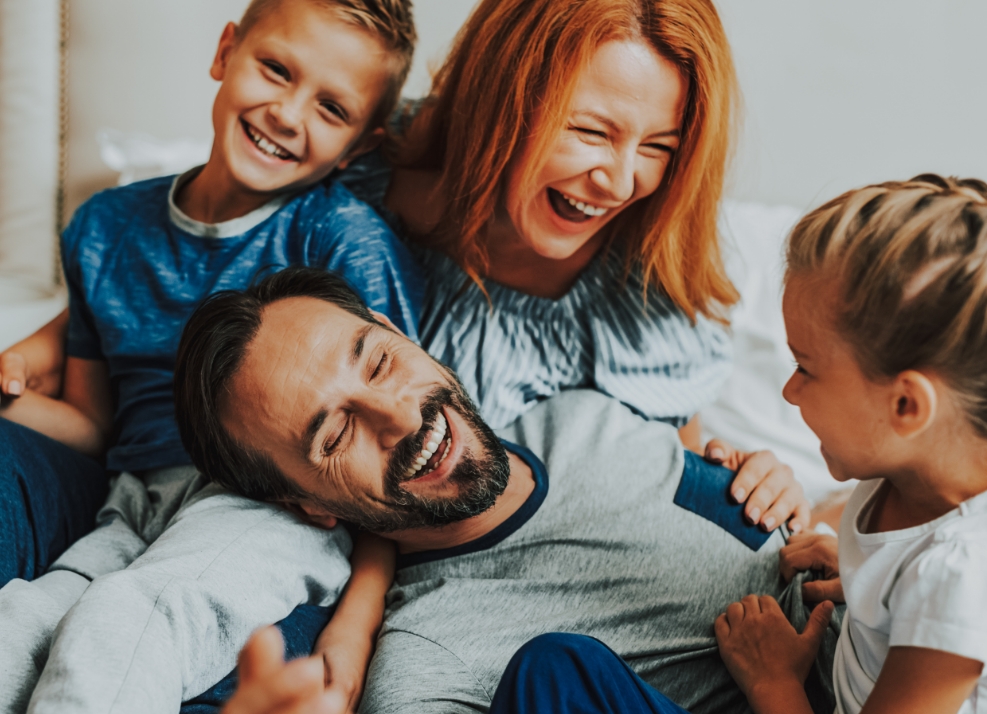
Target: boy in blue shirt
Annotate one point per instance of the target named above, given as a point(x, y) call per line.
point(165, 592)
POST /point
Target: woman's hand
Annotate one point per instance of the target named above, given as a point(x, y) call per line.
point(767, 658)
point(36, 362)
point(813, 552)
point(270, 686)
point(766, 485)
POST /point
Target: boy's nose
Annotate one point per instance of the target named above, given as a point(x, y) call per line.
point(287, 116)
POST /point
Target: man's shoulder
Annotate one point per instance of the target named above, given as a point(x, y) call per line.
point(577, 421)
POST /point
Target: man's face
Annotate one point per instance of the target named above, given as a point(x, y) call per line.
point(349, 410)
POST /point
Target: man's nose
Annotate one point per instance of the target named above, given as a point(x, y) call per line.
point(615, 178)
point(394, 416)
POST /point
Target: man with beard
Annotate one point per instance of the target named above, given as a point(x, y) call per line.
point(563, 522)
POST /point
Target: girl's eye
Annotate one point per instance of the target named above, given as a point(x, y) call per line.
point(380, 366)
point(800, 369)
point(277, 69)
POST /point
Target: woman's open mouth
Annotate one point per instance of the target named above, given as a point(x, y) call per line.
point(572, 209)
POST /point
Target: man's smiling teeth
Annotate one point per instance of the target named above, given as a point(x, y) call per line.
point(268, 147)
point(432, 443)
point(589, 210)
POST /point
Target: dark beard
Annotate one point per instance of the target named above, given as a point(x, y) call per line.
point(481, 477)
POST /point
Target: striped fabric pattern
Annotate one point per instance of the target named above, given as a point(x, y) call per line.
point(518, 349)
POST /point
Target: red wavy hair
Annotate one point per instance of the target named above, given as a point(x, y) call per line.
point(509, 80)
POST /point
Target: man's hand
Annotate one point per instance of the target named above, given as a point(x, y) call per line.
point(766, 657)
point(269, 686)
point(814, 552)
point(766, 485)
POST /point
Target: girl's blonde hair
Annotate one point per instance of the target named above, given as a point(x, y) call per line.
point(910, 259)
point(507, 86)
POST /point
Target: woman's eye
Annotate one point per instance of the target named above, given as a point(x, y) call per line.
point(589, 132)
point(660, 147)
point(277, 69)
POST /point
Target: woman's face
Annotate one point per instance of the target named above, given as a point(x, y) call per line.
point(623, 128)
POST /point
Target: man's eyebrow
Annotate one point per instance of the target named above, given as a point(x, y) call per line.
point(359, 343)
point(612, 125)
point(312, 430)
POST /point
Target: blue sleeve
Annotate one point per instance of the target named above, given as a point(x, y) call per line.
point(356, 243)
point(83, 339)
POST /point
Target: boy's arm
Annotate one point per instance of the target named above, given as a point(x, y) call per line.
point(347, 643)
point(36, 362)
point(82, 419)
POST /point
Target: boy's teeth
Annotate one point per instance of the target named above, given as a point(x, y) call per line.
point(432, 443)
point(585, 207)
point(268, 147)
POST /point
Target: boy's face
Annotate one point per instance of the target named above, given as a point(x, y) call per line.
point(298, 92)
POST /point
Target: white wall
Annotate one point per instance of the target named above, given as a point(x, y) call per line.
point(847, 92)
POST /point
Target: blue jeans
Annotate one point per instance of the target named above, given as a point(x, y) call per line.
point(49, 497)
point(574, 674)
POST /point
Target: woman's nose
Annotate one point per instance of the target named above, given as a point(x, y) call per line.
point(616, 178)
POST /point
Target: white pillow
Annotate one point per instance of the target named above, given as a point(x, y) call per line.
point(750, 412)
point(136, 156)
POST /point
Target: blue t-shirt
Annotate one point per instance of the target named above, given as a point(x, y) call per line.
point(137, 267)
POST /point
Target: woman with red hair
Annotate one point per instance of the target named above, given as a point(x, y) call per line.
point(561, 183)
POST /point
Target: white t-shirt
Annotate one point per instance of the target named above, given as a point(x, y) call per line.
point(919, 587)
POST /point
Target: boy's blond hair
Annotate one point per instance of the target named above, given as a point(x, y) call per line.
point(910, 260)
point(390, 20)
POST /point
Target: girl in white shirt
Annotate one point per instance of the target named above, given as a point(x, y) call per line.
point(886, 310)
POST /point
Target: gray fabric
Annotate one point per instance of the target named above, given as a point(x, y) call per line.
point(182, 573)
point(608, 555)
point(819, 685)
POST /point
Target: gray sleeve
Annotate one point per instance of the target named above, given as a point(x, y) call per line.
point(413, 675)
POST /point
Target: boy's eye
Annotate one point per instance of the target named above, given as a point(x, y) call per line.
point(277, 68)
point(335, 110)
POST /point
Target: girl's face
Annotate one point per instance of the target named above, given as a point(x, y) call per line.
point(846, 410)
point(623, 129)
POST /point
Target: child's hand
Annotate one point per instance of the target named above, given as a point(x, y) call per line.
point(766, 485)
point(344, 677)
point(813, 552)
point(762, 651)
point(36, 362)
point(270, 686)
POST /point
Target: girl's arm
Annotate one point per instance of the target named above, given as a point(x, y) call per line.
point(82, 419)
point(36, 362)
point(347, 643)
point(915, 680)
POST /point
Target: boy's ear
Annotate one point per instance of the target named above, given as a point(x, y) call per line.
point(227, 43)
point(315, 515)
point(368, 142)
point(914, 404)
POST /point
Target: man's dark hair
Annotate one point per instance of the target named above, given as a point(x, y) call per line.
point(211, 351)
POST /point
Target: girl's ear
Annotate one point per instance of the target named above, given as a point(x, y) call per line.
point(227, 43)
point(914, 403)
